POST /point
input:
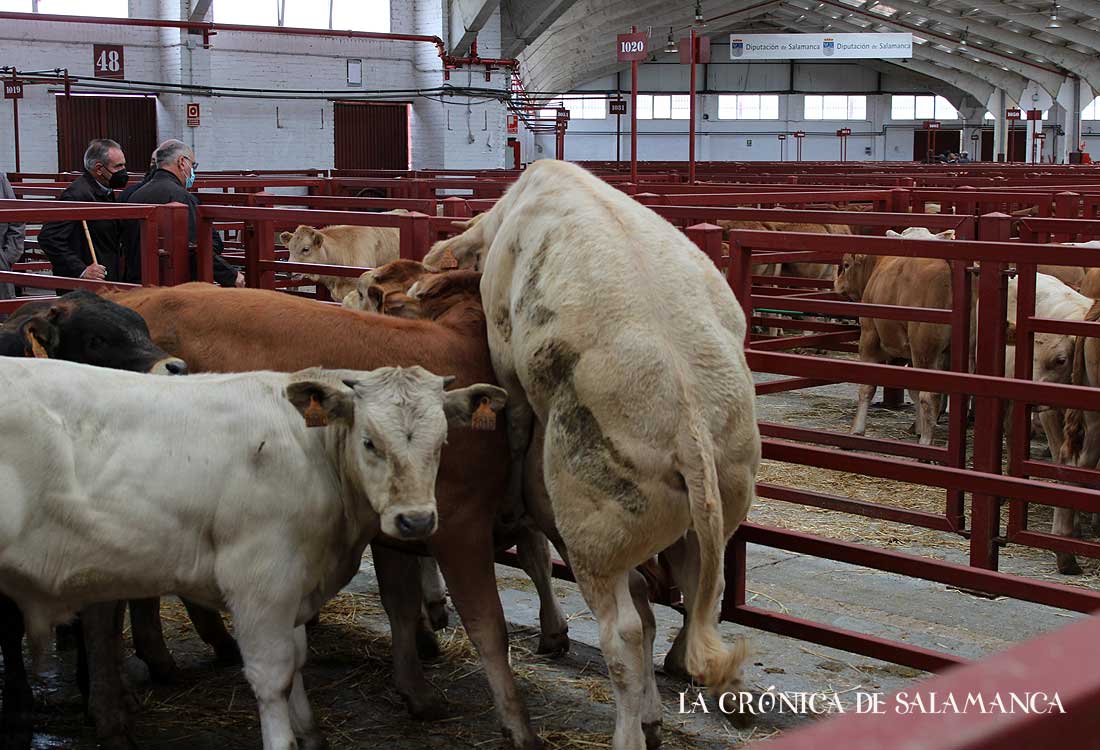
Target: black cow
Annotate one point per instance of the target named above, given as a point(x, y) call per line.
point(79, 327)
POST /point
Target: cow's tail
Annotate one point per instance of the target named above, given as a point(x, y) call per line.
point(710, 661)
point(1073, 436)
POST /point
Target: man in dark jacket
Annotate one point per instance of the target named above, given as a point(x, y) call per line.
point(175, 173)
point(65, 243)
point(11, 240)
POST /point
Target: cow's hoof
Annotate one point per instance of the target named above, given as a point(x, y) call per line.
point(227, 652)
point(430, 710)
point(530, 742)
point(427, 646)
point(437, 615)
point(652, 732)
point(1067, 564)
point(553, 644)
point(161, 671)
point(315, 741)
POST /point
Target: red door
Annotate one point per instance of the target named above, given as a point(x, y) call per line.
point(130, 120)
point(371, 135)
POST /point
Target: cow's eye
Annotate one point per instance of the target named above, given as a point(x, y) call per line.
point(1060, 359)
point(370, 446)
point(95, 342)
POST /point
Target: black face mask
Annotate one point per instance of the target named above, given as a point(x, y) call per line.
point(119, 179)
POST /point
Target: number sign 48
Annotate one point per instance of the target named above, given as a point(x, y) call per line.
point(108, 61)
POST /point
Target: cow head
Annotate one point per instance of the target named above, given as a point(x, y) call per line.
point(390, 426)
point(1052, 356)
point(306, 245)
point(922, 233)
point(84, 327)
point(466, 250)
point(440, 292)
point(852, 274)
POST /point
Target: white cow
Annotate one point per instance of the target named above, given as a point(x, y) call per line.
point(1052, 363)
point(627, 345)
point(213, 488)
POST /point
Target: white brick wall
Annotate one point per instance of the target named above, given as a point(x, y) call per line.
point(252, 133)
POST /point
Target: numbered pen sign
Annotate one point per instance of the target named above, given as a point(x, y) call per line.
point(108, 61)
point(632, 47)
point(13, 90)
point(616, 107)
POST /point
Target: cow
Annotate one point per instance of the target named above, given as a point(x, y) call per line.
point(622, 341)
point(806, 270)
point(241, 329)
point(259, 500)
point(1052, 362)
point(903, 282)
point(383, 289)
point(343, 245)
point(1081, 445)
point(79, 327)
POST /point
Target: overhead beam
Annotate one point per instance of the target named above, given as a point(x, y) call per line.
point(932, 84)
point(199, 10)
point(1069, 31)
point(522, 21)
point(468, 17)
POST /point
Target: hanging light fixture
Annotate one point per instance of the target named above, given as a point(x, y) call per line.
point(670, 45)
point(966, 33)
point(1053, 23)
point(699, 20)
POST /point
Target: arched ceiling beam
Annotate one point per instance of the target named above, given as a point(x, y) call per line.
point(523, 21)
point(934, 84)
point(1069, 31)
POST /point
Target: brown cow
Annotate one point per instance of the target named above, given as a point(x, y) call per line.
point(240, 330)
point(797, 269)
point(904, 282)
point(383, 289)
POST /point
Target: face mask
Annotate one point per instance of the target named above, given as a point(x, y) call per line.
point(118, 179)
point(190, 178)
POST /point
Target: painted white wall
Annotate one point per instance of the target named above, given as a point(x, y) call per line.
point(252, 133)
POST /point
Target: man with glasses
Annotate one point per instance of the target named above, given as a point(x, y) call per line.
point(65, 243)
point(170, 183)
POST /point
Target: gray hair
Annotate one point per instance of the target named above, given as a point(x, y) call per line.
point(169, 151)
point(97, 152)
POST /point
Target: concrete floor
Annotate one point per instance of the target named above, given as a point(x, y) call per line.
point(348, 675)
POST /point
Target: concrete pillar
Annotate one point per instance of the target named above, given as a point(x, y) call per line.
point(1073, 117)
point(999, 128)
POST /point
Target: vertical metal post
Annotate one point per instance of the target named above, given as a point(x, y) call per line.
point(15, 124)
point(265, 250)
point(957, 403)
point(150, 256)
point(204, 238)
point(691, 126)
point(634, 116)
point(708, 237)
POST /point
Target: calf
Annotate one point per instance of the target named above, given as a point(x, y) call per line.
point(343, 245)
point(79, 327)
point(273, 525)
point(241, 330)
point(614, 333)
point(902, 282)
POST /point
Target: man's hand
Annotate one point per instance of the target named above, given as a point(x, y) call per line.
point(239, 283)
point(95, 272)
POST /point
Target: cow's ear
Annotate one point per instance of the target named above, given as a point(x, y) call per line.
point(318, 238)
point(321, 403)
point(947, 234)
point(892, 233)
point(285, 238)
point(1010, 335)
point(474, 406)
point(375, 299)
point(40, 337)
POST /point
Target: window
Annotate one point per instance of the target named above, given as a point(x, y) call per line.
point(909, 107)
point(105, 9)
point(580, 107)
point(1091, 110)
point(748, 107)
point(664, 106)
point(835, 107)
point(343, 15)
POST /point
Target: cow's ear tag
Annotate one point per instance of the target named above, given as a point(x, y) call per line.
point(484, 417)
point(448, 261)
point(315, 414)
point(37, 349)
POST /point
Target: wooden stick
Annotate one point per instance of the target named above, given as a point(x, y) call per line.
point(88, 236)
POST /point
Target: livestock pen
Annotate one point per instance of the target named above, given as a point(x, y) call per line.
point(983, 498)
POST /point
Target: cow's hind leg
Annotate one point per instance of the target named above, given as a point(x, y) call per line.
point(533, 549)
point(467, 561)
point(683, 558)
point(301, 715)
point(1065, 519)
point(101, 630)
point(622, 640)
point(211, 628)
point(18, 697)
point(399, 583)
point(651, 702)
point(435, 593)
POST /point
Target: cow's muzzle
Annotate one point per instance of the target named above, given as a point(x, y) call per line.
point(169, 366)
point(415, 524)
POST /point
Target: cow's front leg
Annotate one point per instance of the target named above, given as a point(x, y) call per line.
point(435, 593)
point(399, 583)
point(101, 629)
point(467, 561)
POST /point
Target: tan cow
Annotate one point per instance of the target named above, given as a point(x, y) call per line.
point(383, 289)
point(904, 282)
point(626, 345)
point(343, 245)
point(798, 269)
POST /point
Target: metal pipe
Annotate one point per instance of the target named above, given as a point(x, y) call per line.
point(15, 123)
point(634, 116)
point(691, 126)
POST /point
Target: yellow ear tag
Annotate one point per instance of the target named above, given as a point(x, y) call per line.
point(37, 349)
point(448, 262)
point(484, 417)
point(314, 414)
